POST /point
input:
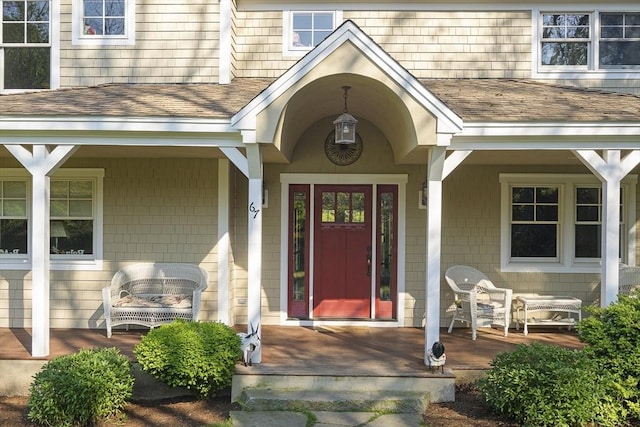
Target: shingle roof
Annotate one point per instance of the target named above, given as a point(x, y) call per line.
point(474, 100)
point(503, 100)
point(137, 100)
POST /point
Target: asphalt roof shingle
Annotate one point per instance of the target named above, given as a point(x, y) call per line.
point(474, 100)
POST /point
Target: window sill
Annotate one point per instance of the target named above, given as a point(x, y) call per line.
point(55, 264)
point(551, 268)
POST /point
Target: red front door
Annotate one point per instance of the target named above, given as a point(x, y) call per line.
point(343, 252)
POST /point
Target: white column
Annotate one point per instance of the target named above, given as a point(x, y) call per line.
point(434, 245)
point(41, 164)
point(610, 169)
point(610, 241)
point(223, 241)
point(40, 264)
point(440, 166)
point(254, 208)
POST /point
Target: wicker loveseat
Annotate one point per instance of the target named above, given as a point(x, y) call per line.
point(150, 294)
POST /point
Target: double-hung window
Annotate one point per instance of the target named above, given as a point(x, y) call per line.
point(103, 22)
point(553, 223)
point(75, 218)
point(588, 42)
point(25, 44)
point(303, 30)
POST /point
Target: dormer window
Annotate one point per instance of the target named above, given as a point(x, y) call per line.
point(304, 30)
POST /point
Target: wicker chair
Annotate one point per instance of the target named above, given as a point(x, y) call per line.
point(477, 301)
point(629, 280)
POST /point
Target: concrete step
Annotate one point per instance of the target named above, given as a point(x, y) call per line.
point(267, 399)
point(439, 386)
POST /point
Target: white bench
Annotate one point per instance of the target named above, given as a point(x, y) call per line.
point(150, 294)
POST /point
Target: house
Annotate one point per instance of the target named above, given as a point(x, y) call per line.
point(503, 135)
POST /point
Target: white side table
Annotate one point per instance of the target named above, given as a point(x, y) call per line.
point(554, 304)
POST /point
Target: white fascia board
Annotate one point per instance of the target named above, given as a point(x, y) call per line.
point(383, 5)
point(448, 121)
point(524, 129)
point(115, 124)
point(125, 139)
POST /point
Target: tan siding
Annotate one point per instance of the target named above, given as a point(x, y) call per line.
point(176, 42)
point(160, 210)
point(429, 44)
point(471, 236)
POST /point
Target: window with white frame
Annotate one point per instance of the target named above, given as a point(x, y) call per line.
point(75, 215)
point(554, 222)
point(14, 218)
point(104, 22)
point(589, 41)
point(25, 44)
point(303, 30)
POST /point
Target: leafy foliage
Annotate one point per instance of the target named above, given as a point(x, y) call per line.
point(81, 388)
point(199, 356)
point(544, 385)
point(612, 335)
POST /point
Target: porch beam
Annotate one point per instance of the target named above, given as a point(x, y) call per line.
point(254, 267)
point(40, 163)
point(610, 169)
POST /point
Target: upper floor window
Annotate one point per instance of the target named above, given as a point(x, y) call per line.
point(554, 222)
point(303, 30)
point(589, 41)
point(103, 22)
point(25, 45)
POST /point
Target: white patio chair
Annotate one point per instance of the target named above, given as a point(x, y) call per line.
point(478, 301)
point(628, 280)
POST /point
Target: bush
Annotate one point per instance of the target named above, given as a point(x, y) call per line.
point(543, 385)
point(81, 388)
point(612, 335)
point(200, 356)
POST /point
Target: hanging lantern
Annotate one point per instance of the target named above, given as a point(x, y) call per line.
point(345, 124)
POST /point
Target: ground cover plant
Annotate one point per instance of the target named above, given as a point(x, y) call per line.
point(81, 388)
point(199, 356)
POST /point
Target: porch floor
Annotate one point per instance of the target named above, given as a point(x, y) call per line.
point(321, 350)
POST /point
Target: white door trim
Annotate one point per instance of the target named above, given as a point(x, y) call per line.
point(287, 179)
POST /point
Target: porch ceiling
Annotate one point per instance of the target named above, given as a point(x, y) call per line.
point(369, 99)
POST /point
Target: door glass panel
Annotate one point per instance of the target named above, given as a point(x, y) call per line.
point(328, 207)
point(386, 245)
point(299, 244)
point(357, 206)
point(343, 214)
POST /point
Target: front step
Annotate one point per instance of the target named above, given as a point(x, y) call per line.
point(267, 399)
point(439, 386)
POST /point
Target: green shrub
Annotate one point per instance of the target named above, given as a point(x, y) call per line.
point(612, 335)
point(543, 385)
point(200, 356)
point(81, 388)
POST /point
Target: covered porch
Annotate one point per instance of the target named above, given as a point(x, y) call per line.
point(327, 350)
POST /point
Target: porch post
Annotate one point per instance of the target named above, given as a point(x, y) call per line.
point(254, 207)
point(433, 250)
point(223, 241)
point(41, 164)
point(440, 166)
point(610, 169)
